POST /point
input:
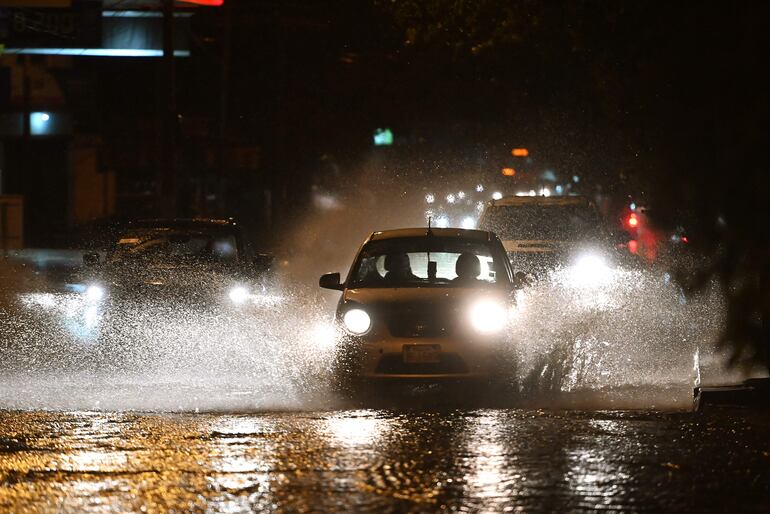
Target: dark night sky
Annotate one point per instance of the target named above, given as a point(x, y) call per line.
point(658, 91)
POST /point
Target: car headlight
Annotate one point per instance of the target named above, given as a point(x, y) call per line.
point(94, 293)
point(357, 321)
point(591, 270)
point(238, 294)
point(488, 316)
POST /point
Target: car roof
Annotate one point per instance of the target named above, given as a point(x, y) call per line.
point(539, 200)
point(479, 235)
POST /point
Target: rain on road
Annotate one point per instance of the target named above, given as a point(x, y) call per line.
point(382, 460)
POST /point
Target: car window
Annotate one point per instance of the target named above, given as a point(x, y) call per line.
point(426, 262)
point(543, 222)
point(175, 246)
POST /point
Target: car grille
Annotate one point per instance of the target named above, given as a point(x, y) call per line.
point(420, 323)
point(394, 364)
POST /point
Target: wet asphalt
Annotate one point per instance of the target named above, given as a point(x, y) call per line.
point(385, 461)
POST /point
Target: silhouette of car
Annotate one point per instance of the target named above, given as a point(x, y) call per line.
point(188, 261)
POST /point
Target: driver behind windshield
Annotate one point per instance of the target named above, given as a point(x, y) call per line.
point(426, 262)
point(398, 269)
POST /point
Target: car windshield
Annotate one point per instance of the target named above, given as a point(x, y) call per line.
point(427, 262)
point(175, 246)
point(543, 222)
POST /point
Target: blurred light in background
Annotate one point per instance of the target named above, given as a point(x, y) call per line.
point(40, 123)
point(95, 52)
point(548, 175)
point(383, 137)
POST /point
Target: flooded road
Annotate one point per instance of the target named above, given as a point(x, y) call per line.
point(175, 409)
point(377, 460)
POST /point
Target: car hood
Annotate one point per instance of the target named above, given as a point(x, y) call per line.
point(420, 296)
point(176, 279)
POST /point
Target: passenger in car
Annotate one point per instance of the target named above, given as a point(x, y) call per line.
point(468, 268)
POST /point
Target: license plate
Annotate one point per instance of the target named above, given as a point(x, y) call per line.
point(422, 353)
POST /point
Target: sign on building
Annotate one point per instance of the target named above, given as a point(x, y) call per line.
point(51, 24)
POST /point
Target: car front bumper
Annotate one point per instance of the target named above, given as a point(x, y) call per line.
point(450, 359)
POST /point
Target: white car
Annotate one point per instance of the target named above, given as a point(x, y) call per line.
point(423, 305)
point(542, 233)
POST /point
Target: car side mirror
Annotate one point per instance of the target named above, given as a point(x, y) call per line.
point(331, 281)
point(91, 259)
point(263, 262)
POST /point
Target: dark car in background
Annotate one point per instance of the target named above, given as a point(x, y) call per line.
point(190, 261)
point(159, 277)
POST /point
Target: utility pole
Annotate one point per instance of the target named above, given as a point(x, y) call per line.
point(167, 174)
point(223, 106)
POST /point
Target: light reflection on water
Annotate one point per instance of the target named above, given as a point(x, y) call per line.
point(491, 474)
point(355, 428)
point(370, 461)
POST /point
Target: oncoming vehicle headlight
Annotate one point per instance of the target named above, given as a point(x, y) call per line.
point(357, 321)
point(488, 316)
point(591, 270)
point(238, 294)
point(94, 292)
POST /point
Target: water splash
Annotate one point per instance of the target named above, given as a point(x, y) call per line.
point(63, 350)
point(633, 330)
point(628, 341)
